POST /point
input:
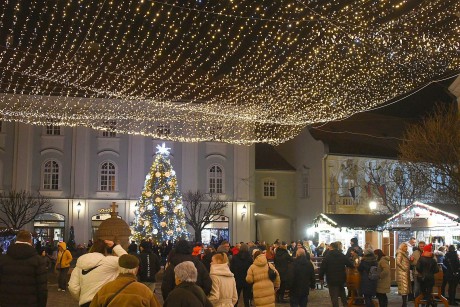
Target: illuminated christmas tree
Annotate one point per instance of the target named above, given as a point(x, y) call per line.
point(159, 212)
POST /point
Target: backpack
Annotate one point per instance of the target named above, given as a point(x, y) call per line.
point(374, 273)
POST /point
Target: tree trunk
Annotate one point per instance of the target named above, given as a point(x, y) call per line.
point(197, 235)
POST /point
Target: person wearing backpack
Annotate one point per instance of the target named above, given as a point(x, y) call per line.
point(368, 269)
point(149, 265)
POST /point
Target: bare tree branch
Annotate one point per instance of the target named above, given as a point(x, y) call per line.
point(21, 208)
point(202, 209)
point(432, 150)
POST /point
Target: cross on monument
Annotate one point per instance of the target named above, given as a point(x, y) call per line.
point(114, 207)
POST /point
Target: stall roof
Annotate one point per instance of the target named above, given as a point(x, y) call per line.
point(355, 221)
point(405, 218)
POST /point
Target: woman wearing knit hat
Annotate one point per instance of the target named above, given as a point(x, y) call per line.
point(426, 268)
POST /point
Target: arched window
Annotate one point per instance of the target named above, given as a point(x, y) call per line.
point(269, 188)
point(108, 177)
point(51, 175)
point(216, 179)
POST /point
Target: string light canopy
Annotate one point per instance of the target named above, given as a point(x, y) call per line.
point(236, 71)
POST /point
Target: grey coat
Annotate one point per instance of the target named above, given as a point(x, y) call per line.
point(384, 283)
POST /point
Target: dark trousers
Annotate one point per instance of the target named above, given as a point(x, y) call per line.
point(282, 288)
point(383, 299)
point(335, 292)
point(426, 287)
point(62, 278)
point(247, 290)
point(452, 288)
point(368, 300)
point(298, 301)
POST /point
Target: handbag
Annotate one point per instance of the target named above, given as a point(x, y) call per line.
point(271, 273)
point(116, 293)
point(58, 265)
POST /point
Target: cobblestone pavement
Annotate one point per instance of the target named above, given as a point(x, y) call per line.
point(317, 298)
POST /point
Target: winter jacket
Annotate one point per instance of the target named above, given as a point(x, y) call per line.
point(333, 266)
point(239, 267)
point(135, 294)
point(356, 248)
point(426, 268)
point(384, 283)
point(301, 277)
point(64, 256)
point(368, 287)
point(452, 264)
point(403, 272)
point(223, 292)
point(282, 260)
point(149, 265)
point(416, 255)
point(187, 294)
point(203, 280)
point(263, 288)
point(84, 284)
point(23, 277)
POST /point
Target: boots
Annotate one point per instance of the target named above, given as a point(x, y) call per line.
point(404, 304)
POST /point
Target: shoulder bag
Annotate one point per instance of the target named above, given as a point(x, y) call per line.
point(116, 293)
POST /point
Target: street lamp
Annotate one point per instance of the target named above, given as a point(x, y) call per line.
point(373, 205)
point(78, 209)
point(244, 210)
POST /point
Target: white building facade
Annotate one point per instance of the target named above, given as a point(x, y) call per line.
point(83, 171)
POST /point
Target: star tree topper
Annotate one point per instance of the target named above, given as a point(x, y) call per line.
point(163, 150)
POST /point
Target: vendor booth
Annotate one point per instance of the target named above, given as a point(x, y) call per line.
point(342, 227)
point(425, 223)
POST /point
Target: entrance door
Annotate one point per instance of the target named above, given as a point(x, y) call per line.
point(49, 228)
point(216, 231)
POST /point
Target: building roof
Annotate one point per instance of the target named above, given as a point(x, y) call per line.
point(378, 132)
point(355, 221)
point(267, 158)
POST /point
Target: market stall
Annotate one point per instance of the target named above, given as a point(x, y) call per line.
point(342, 227)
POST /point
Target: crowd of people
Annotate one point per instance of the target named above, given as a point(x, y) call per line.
point(217, 275)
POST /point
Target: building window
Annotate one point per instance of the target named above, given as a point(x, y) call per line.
point(53, 130)
point(269, 188)
point(163, 130)
point(108, 177)
point(305, 184)
point(110, 126)
point(51, 174)
point(216, 184)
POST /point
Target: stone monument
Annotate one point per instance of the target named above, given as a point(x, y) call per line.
point(114, 229)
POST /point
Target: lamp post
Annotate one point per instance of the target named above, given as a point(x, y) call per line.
point(78, 209)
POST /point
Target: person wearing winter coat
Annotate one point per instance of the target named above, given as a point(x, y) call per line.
point(23, 275)
point(63, 260)
point(93, 270)
point(368, 287)
point(207, 257)
point(301, 278)
point(223, 291)
point(239, 266)
point(452, 265)
point(263, 288)
point(426, 268)
point(132, 294)
point(282, 260)
point(384, 282)
point(403, 272)
point(186, 292)
point(333, 266)
point(149, 265)
point(183, 252)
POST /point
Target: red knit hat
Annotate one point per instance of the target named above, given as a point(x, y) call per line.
point(428, 248)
